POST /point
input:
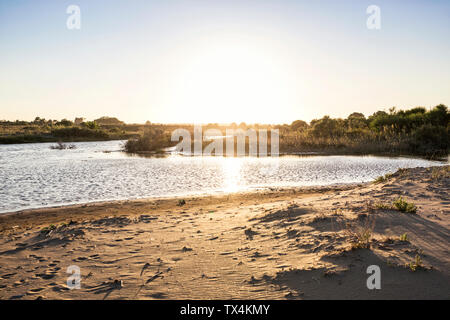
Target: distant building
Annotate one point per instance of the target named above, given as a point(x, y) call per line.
point(105, 121)
point(78, 121)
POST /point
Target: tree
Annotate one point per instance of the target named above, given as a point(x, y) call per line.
point(91, 125)
point(356, 120)
point(439, 115)
point(111, 121)
point(299, 125)
point(65, 123)
point(327, 127)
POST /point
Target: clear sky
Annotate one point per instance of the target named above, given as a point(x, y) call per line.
point(268, 61)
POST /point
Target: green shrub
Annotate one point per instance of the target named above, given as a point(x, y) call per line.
point(403, 206)
point(91, 125)
point(153, 140)
point(384, 178)
point(382, 206)
point(430, 139)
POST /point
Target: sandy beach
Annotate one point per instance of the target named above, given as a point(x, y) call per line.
point(302, 243)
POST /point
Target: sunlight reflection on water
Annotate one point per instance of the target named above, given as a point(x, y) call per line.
point(33, 175)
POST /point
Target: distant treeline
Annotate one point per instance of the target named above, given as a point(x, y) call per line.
point(42, 130)
point(417, 131)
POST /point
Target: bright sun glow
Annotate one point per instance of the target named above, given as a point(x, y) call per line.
point(232, 173)
point(231, 82)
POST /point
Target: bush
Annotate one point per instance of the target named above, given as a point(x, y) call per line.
point(429, 139)
point(439, 173)
point(403, 206)
point(76, 132)
point(153, 140)
point(91, 125)
point(384, 178)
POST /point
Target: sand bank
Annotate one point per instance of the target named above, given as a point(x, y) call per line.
point(303, 243)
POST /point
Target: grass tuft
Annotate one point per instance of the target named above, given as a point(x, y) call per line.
point(47, 230)
point(382, 179)
point(404, 237)
point(361, 236)
point(403, 206)
point(438, 173)
point(416, 264)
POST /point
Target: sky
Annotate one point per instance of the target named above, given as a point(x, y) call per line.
point(202, 61)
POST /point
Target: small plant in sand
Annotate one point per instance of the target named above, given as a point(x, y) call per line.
point(47, 230)
point(361, 236)
point(404, 237)
point(363, 239)
point(416, 264)
point(384, 178)
point(403, 206)
point(439, 173)
point(181, 202)
point(382, 206)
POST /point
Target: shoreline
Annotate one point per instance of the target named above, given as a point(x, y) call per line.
point(218, 194)
point(303, 243)
point(267, 193)
point(311, 153)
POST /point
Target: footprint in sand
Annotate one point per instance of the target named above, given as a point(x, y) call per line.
point(34, 291)
point(59, 288)
point(45, 276)
point(19, 283)
point(8, 275)
point(79, 259)
point(158, 295)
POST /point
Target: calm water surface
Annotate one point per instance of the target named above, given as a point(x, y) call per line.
point(33, 175)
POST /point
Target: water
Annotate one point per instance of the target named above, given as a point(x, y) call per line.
point(33, 175)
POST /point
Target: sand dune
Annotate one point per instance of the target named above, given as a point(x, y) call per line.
point(280, 244)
